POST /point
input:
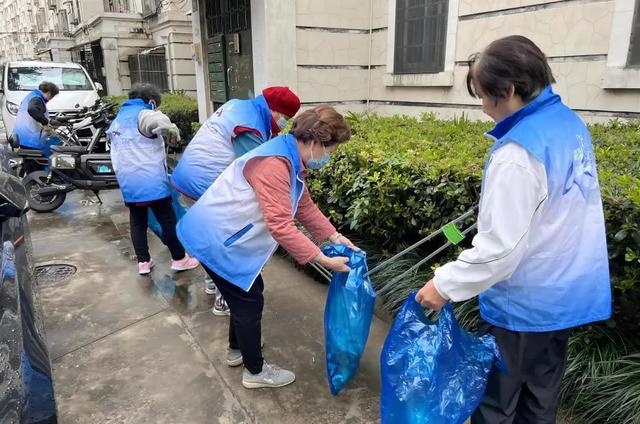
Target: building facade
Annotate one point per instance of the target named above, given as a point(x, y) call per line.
point(410, 56)
point(23, 23)
point(119, 42)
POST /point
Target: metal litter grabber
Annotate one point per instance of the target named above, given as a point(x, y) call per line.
point(450, 231)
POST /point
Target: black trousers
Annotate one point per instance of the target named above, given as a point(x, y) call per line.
point(528, 394)
point(245, 325)
point(139, 220)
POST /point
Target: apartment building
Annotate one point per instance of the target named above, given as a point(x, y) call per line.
point(23, 23)
point(410, 56)
point(119, 42)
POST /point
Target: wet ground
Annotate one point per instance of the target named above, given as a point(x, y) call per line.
point(132, 349)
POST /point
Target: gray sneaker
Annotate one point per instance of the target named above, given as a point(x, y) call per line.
point(271, 376)
point(210, 287)
point(234, 357)
point(220, 308)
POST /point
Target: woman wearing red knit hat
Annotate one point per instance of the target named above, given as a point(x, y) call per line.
point(237, 127)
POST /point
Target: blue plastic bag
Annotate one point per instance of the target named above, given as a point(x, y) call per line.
point(178, 209)
point(433, 372)
point(347, 317)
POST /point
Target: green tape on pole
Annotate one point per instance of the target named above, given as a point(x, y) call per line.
point(452, 233)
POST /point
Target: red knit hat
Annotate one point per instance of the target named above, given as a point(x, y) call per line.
point(281, 99)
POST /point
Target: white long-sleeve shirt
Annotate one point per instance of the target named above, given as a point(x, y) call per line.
point(154, 122)
point(514, 195)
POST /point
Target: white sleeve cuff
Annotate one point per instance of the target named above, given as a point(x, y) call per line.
point(442, 294)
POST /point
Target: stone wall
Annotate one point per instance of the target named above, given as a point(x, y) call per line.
point(340, 61)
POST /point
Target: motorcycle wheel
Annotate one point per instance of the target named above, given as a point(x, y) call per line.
point(41, 203)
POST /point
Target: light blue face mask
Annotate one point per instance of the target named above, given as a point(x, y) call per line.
point(317, 163)
point(282, 122)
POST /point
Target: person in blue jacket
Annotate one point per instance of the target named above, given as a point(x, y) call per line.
point(138, 155)
point(539, 261)
point(236, 128)
point(238, 223)
point(32, 121)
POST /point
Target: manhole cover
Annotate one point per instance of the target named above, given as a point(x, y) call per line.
point(48, 274)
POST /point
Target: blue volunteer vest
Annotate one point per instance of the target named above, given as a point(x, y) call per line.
point(138, 161)
point(563, 281)
point(211, 150)
point(28, 130)
point(225, 229)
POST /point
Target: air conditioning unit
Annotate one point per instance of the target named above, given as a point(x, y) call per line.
point(53, 4)
point(74, 21)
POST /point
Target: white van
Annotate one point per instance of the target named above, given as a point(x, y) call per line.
point(19, 78)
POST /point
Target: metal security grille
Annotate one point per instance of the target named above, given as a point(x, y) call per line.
point(634, 45)
point(49, 274)
point(90, 56)
point(226, 16)
point(150, 68)
point(420, 39)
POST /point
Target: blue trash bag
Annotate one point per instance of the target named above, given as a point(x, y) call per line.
point(347, 317)
point(433, 371)
point(51, 141)
point(178, 209)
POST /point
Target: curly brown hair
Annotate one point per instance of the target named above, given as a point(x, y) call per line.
point(49, 87)
point(322, 123)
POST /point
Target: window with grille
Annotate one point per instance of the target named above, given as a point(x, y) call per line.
point(63, 21)
point(634, 45)
point(150, 68)
point(420, 37)
point(227, 16)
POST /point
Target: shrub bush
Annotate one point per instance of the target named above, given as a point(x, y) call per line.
point(180, 108)
point(401, 178)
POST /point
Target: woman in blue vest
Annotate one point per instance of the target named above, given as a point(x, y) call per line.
point(139, 161)
point(237, 224)
point(539, 260)
point(235, 128)
point(32, 121)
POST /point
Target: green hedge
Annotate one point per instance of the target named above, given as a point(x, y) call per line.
point(180, 108)
point(400, 178)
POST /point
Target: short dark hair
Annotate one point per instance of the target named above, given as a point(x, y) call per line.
point(510, 61)
point(146, 92)
point(49, 87)
point(322, 123)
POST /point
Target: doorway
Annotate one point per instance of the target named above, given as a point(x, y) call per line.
point(229, 51)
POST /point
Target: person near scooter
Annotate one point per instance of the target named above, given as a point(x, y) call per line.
point(32, 120)
point(234, 129)
point(137, 136)
point(539, 261)
point(237, 224)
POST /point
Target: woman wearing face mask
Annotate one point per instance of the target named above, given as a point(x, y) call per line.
point(138, 155)
point(239, 221)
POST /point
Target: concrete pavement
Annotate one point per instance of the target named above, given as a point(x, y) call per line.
point(132, 349)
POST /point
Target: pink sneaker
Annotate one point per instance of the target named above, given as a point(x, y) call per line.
point(144, 268)
point(184, 264)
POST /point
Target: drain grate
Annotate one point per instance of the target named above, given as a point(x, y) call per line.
point(49, 274)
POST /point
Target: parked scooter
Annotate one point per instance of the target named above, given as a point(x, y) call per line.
point(27, 160)
point(73, 165)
